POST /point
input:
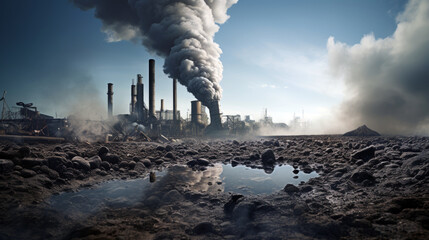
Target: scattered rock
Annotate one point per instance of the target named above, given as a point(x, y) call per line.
point(27, 173)
point(113, 159)
point(203, 228)
point(81, 163)
point(359, 176)
point(203, 162)
point(31, 162)
point(103, 151)
point(364, 154)
point(56, 162)
point(290, 188)
point(6, 165)
point(147, 163)
point(170, 155)
point(268, 157)
point(95, 162)
point(24, 152)
point(230, 205)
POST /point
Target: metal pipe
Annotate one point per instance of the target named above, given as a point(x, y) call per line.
point(152, 88)
point(110, 100)
point(174, 100)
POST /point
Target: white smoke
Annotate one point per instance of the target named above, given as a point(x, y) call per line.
point(387, 80)
point(181, 31)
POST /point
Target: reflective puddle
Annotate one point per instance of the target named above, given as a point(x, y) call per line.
point(246, 181)
point(163, 186)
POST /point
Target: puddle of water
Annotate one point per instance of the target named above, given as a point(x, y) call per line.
point(246, 181)
point(217, 179)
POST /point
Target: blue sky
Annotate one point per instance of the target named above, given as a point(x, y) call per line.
point(274, 56)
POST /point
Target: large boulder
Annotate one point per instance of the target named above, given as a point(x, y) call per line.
point(362, 131)
point(364, 154)
point(95, 162)
point(81, 163)
point(268, 157)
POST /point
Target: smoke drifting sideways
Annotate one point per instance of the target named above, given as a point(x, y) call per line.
point(387, 80)
point(181, 31)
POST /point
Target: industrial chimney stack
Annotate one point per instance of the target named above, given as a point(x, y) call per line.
point(151, 88)
point(215, 121)
point(174, 100)
point(161, 111)
point(133, 98)
point(196, 112)
point(110, 100)
point(140, 102)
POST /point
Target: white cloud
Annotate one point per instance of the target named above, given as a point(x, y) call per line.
point(387, 79)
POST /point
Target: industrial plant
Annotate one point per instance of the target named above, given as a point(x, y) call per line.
point(143, 123)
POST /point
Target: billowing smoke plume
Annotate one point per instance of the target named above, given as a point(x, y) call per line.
point(387, 80)
point(181, 31)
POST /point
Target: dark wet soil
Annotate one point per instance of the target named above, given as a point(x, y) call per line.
point(368, 188)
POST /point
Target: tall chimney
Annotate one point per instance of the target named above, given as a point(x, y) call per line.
point(196, 112)
point(151, 88)
point(133, 98)
point(140, 102)
point(215, 121)
point(174, 100)
point(161, 111)
point(110, 100)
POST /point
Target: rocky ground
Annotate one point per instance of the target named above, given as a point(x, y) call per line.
point(368, 188)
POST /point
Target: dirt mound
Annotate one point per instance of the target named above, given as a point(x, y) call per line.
point(362, 131)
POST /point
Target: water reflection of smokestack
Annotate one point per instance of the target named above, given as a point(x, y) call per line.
point(140, 103)
point(133, 98)
point(152, 177)
point(110, 100)
point(151, 88)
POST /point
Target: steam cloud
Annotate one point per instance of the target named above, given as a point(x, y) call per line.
point(181, 31)
point(387, 80)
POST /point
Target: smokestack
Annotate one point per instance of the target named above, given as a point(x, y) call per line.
point(151, 88)
point(140, 102)
point(110, 100)
point(196, 112)
point(174, 100)
point(133, 98)
point(161, 111)
point(215, 121)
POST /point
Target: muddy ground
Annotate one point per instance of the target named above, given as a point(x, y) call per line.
point(368, 188)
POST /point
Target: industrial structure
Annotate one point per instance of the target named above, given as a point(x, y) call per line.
point(143, 122)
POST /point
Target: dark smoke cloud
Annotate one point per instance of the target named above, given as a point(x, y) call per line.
point(181, 31)
point(387, 80)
